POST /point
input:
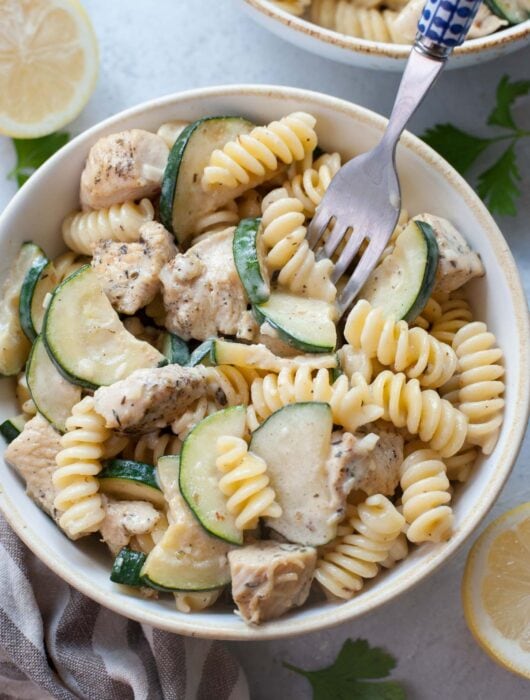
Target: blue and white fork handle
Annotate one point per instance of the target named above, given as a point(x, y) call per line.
point(443, 26)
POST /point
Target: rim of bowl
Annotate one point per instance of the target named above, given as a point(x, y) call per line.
point(380, 48)
point(327, 616)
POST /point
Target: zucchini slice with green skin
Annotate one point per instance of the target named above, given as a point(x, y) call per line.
point(304, 323)
point(53, 395)
point(199, 476)
point(248, 257)
point(182, 199)
point(14, 345)
point(174, 565)
point(202, 354)
point(128, 480)
point(27, 292)
point(509, 10)
point(227, 352)
point(403, 282)
point(48, 280)
point(295, 443)
point(127, 567)
point(175, 349)
point(85, 337)
point(12, 427)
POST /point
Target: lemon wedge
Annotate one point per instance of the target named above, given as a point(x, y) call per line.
point(496, 590)
point(48, 65)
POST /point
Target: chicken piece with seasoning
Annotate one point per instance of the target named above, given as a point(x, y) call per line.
point(130, 272)
point(124, 520)
point(149, 398)
point(123, 167)
point(202, 292)
point(33, 454)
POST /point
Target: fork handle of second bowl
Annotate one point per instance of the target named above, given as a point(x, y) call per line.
point(443, 25)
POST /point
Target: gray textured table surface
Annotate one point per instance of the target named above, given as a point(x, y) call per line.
point(150, 48)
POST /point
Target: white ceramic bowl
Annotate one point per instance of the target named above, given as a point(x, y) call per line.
point(428, 184)
point(378, 54)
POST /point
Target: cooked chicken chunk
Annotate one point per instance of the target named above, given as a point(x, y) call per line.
point(149, 398)
point(125, 519)
point(270, 578)
point(130, 272)
point(122, 167)
point(345, 450)
point(202, 292)
point(457, 263)
point(377, 471)
point(33, 454)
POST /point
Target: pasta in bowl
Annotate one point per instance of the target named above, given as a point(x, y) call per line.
point(183, 382)
point(377, 34)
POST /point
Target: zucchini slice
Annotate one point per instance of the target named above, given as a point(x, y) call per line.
point(48, 280)
point(226, 352)
point(187, 558)
point(202, 353)
point(248, 257)
point(53, 395)
point(14, 345)
point(182, 199)
point(127, 480)
point(12, 427)
point(295, 443)
point(127, 567)
point(304, 323)
point(175, 349)
point(27, 292)
point(85, 337)
point(403, 282)
point(510, 10)
point(199, 476)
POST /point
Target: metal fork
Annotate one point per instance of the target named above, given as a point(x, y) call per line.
point(364, 197)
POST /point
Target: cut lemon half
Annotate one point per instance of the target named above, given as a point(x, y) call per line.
point(496, 590)
point(48, 65)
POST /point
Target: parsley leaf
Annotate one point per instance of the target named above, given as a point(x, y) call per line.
point(341, 681)
point(457, 147)
point(32, 153)
point(498, 185)
point(507, 93)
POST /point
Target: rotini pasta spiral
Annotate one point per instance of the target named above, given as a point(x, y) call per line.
point(397, 551)
point(431, 312)
point(351, 403)
point(360, 19)
point(151, 446)
point(459, 466)
point(394, 344)
point(217, 220)
point(201, 408)
point(245, 483)
point(310, 186)
point(78, 464)
point(423, 413)
point(121, 222)
point(455, 313)
point(425, 496)
point(481, 385)
point(284, 236)
point(230, 386)
point(258, 153)
point(373, 527)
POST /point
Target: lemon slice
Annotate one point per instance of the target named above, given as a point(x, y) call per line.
point(48, 65)
point(496, 590)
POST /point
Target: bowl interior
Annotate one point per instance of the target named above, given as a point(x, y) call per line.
point(428, 185)
point(378, 55)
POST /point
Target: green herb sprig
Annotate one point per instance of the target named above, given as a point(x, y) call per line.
point(32, 153)
point(498, 184)
point(347, 678)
